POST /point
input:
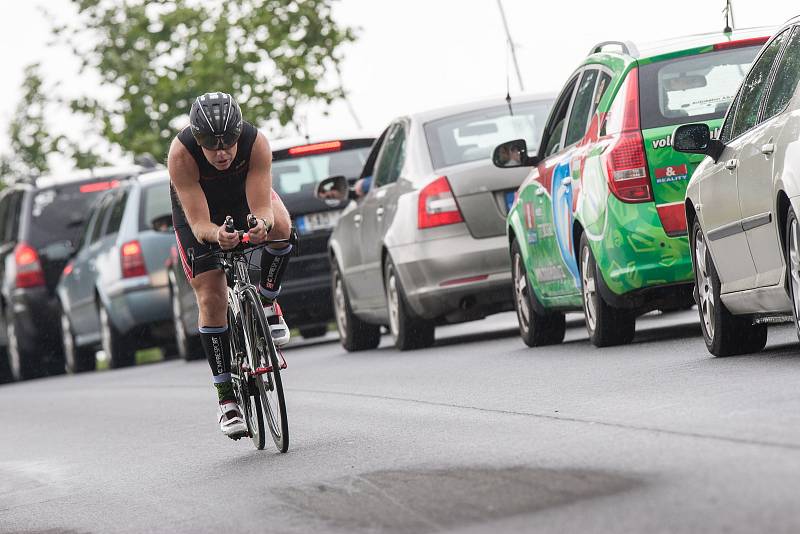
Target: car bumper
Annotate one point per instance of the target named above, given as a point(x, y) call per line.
point(135, 303)
point(455, 278)
point(634, 253)
point(37, 320)
point(307, 301)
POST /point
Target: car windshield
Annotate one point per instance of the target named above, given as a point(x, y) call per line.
point(301, 174)
point(692, 88)
point(473, 135)
point(156, 203)
point(58, 213)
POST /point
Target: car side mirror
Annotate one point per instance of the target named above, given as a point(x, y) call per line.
point(162, 223)
point(333, 190)
point(696, 139)
point(513, 154)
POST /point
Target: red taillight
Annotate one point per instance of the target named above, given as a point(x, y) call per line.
point(316, 148)
point(437, 205)
point(132, 260)
point(99, 186)
point(626, 162)
point(673, 218)
point(754, 41)
point(67, 269)
point(29, 268)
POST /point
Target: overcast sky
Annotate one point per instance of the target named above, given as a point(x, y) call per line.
point(418, 54)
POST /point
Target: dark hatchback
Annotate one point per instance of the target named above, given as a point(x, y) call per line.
point(306, 295)
point(39, 224)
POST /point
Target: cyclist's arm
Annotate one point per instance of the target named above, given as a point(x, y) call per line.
point(259, 181)
point(185, 177)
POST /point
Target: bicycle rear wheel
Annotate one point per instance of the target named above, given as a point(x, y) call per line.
point(268, 383)
point(247, 395)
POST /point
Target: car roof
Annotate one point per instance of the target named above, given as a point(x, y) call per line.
point(152, 177)
point(438, 113)
point(685, 42)
point(50, 180)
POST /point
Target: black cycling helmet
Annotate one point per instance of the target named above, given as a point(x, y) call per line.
point(216, 120)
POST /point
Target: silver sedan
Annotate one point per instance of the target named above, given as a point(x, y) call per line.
point(743, 202)
point(426, 244)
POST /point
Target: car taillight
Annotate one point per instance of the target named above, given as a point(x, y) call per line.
point(437, 205)
point(67, 269)
point(29, 268)
point(316, 148)
point(628, 178)
point(132, 260)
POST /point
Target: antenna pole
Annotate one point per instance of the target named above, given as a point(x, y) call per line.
point(728, 11)
point(511, 44)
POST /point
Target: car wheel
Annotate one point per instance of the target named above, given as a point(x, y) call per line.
point(76, 359)
point(793, 265)
point(119, 351)
point(409, 332)
point(313, 331)
point(725, 334)
point(536, 329)
point(188, 347)
point(607, 325)
point(354, 333)
point(24, 364)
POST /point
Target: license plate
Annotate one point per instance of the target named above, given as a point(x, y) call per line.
point(312, 222)
point(510, 199)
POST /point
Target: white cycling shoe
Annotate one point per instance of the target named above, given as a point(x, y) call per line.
point(277, 326)
point(231, 421)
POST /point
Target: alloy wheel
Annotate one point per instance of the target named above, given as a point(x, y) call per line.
point(180, 330)
point(705, 290)
point(794, 268)
point(13, 349)
point(589, 289)
point(67, 341)
point(392, 297)
point(340, 304)
point(105, 332)
point(521, 293)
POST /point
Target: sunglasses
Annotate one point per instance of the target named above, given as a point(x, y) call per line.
point(216, 142)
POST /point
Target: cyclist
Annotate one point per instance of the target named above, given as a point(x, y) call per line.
point(220, 165)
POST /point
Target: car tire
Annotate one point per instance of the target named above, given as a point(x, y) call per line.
point(76, 359)
point(5, 366)
point(536, 329)
point(792, 255)
point(607, 326)
point(24, 364)
point(725, 334)
point(310, 332)
point(186, 346)
point(119, 350)
point(409, 332)
point(354, 333)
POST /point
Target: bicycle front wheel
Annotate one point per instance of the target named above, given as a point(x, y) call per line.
point(265, 357)
point(247, 395)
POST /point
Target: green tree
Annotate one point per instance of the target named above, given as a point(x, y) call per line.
point(30, 138)
point(272, 55)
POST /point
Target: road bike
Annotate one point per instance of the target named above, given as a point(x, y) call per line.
point(255, 361)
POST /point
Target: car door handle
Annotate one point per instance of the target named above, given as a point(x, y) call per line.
point(768, 149)
point(731, 164)
point(379, 212)
point(357, 220)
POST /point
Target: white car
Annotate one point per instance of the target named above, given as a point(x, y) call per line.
point(743, 201)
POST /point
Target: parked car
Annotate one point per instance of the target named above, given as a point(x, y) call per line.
point(113, 293)
point(39, 222)
point(426, 244)
point(599, 224)
point(306, 296)
point(743, 201)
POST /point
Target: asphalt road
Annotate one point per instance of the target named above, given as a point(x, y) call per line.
point(477, 434)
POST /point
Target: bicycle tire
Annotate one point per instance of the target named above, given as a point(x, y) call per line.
point(269, 384)
point(242, 385)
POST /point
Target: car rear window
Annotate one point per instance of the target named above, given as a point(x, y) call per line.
point(58, 213)
point(692, 88)
point(300, 174)
point(155, 203)
point(473, 135)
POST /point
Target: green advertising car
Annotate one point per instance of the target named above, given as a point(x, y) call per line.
point(599, 223)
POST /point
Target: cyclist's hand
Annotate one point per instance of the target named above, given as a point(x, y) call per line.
point(258, 234)
point(227, 240)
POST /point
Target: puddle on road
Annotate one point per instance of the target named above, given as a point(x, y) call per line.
point(415, 501)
